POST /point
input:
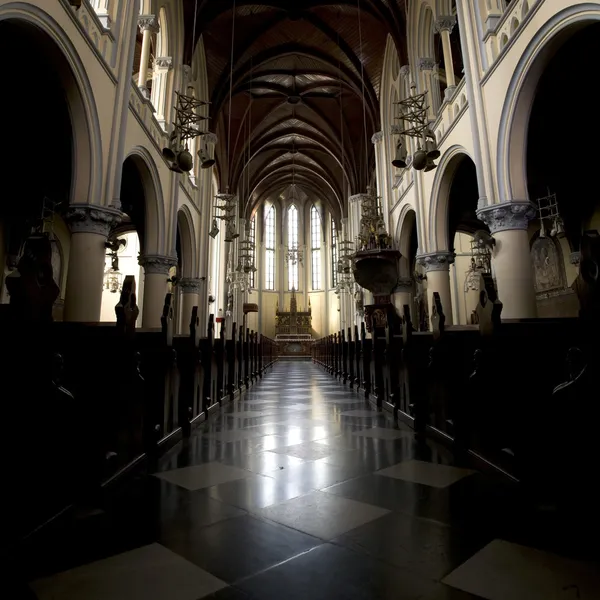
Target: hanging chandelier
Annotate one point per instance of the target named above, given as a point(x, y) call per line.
point(481, 261)
point(412, 114)
point(345, 279)
point(548, 212)
point(187, 127)
point(227, 204)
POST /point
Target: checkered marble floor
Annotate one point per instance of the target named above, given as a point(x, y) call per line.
point(301, 490)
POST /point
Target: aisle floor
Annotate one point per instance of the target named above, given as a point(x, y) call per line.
point(301, 491)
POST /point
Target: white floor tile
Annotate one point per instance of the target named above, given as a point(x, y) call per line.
point(506, 571)
point(382, 433)
point(323, 515)
point(431, 474)
point(203, 476)
point(149, 573)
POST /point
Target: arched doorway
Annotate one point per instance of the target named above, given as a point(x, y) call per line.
point(453, 223)
point(567, 196)
point(187, 288)
point(463, 223)
point(130, 237)
point(37, 177)
point(141, 202)
point(410, 288)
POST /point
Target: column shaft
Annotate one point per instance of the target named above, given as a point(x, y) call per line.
point(437, 267)
point(90, 227)
point(149, 25)
point(511, 257)
point(156, 274)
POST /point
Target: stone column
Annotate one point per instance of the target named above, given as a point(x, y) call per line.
point(444, 26)
point(437, 268)
point(90, 226)
point(148, 25)
point(162, 66)
point(403, 295)
point(101, 8)
point(511, 257)
point(156, 274)
point(190, 293)
point(426, 67)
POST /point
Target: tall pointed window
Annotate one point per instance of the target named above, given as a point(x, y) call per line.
point(293, 245)
point(252, 240)
point(315, 247)
point(335, 254)
point(270, 250)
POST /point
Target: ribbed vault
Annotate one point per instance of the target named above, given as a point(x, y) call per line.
point(288, 109)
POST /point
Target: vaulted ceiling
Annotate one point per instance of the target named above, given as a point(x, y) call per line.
point(289, 108)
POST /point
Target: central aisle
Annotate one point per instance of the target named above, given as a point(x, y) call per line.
point(298, 492)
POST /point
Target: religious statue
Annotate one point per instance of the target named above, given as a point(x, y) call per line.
point(31, 286)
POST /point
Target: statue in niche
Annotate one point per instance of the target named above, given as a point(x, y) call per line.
point(547, 265)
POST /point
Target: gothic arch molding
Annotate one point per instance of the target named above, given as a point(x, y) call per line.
point(154, 242)
point(86, 184)
point(440, 197)
point(514, 123)
point(185, 226)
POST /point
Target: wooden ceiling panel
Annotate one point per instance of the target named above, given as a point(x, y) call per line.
point(305, 90)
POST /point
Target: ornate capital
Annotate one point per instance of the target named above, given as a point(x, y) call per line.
point(359, 197)
point(404, 71)
point(396, 129)
point(87, 218)
point(436, 261)
point(507, 216)
point(163, 62)
point(426, 64)
point(157, 264)
point(575, 258)
point(148, 23)
point(377, 137)
point(405, 284)
point(190, 286)
point(445, 23)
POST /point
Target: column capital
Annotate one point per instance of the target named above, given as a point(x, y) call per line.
point(148, 23)
point(163, 62)
point(88, 218)
point(404, 284)
point(358, 197)
point(404, 71)
point(190, 285)
point(426, 64)
point(436, 261)
point(157, 264)
point(507, 215)
point(445, 23)
point(377, 137)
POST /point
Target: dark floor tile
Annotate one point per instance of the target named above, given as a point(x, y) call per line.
point(238, 548)
point(395, 494)
point(417, 545)
point(229, 593)
point(259, 491)
point(445, 592)
point(199, 511)
point(329, 572)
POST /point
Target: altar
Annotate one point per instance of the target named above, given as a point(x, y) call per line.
point(293, 331)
